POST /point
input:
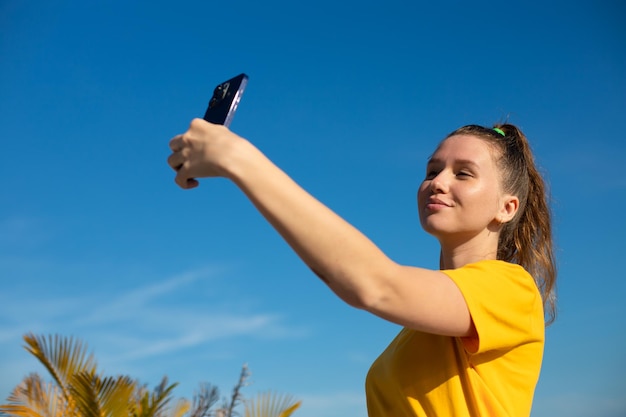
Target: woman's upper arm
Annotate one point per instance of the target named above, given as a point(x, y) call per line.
point(420, 299)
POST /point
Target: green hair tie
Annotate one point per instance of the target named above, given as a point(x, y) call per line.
point(499, 131)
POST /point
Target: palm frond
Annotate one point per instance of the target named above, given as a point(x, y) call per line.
point(116, 395)
point(140, 401)
point(96, 396)
point(236, 397)
point(179, 409)
point(204, 400)
point(35, 398)
point(271, 405)
point(152, 404)
point(83, 389)
point(15, 410)
point(289, 410)
point(61, 356)
point(161, 396)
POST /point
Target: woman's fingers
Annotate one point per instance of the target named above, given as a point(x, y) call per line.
point(200, 152)
point(184, 181)
point(176, 160)
point(176, 143)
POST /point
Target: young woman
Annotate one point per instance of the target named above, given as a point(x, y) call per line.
point(473, 331)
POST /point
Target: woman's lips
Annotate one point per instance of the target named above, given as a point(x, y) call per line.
point(436, 204)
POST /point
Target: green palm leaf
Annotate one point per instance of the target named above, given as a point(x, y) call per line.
point(116, 395)
point(35, 398)
point(271, 405)
point(77, 390)
point(179, 409)
point(62, 357)
point(102, 397)
point(84, 391)
point(204, 400)
point(153, 404)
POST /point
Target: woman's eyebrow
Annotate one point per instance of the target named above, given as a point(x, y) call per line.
point(432, 160)
point(467, 162)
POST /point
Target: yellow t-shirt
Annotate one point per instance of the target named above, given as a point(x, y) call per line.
point(494, 374)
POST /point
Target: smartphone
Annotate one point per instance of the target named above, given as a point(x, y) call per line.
point(225, 100)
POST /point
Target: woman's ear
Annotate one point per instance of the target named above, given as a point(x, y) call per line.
point(510, 205)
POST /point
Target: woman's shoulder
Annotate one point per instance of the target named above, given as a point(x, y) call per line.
point(494, 265)
point(487, 270)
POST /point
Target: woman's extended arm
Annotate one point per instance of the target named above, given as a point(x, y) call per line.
point(348, 262)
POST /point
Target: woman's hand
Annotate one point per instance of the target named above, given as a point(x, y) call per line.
point(202, 151)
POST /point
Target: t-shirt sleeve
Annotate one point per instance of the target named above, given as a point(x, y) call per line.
point(504, 303)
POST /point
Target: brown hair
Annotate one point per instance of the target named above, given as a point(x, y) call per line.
point(527, 238)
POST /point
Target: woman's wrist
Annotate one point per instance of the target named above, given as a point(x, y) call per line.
point(242, 160)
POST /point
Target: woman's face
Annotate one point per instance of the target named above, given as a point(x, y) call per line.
point(461, 196)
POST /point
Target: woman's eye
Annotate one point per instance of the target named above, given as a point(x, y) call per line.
point(431, 174)
point(464, 174)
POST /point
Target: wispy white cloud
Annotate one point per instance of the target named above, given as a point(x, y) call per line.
point(181, 318)
point(136, 300)
point(206, 328)
point(145, 321)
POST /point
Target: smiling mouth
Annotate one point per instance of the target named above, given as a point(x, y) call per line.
point(435, 206)
point(435, 202)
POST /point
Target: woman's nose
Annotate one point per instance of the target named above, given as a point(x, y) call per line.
point(439, 184)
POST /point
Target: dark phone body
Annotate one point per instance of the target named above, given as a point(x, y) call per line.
point(225, 99)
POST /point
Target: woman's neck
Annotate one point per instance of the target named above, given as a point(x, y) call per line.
point(456, 255)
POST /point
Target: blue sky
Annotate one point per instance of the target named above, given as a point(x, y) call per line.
point(349, 98)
